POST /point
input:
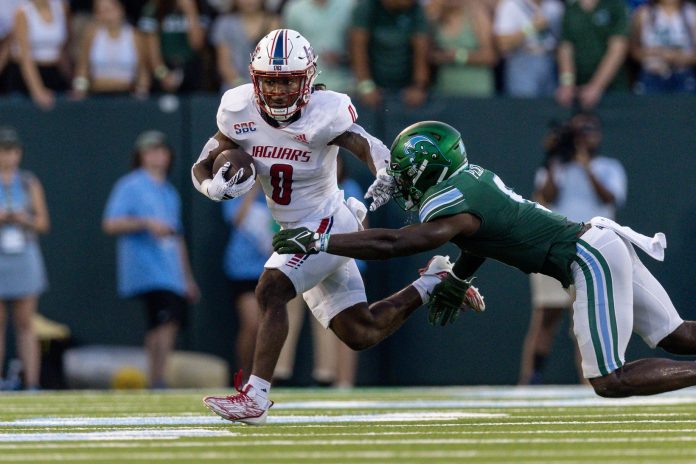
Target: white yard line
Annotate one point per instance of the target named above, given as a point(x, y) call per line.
point(59, 422)
point(357, 455)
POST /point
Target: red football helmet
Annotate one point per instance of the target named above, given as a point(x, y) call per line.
point(283, 68)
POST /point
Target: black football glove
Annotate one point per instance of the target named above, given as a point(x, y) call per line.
point(451, 296)
point(300, 240)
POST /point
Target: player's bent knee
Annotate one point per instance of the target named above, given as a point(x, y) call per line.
point(274, 289)
point(353, 328)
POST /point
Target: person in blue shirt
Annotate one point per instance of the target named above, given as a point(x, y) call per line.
point(23, 217)
point(248, 248)
point(144, 212)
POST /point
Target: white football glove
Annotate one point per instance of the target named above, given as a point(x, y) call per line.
point(220, 189)
point(381, 189)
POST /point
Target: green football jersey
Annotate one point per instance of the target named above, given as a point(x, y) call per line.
point(515, 231)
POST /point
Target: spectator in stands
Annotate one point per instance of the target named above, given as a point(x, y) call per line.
point(7, 18)
point(527, 33)
point(248, 248)
point(325, 24)
point(39, 51)
point(463, 49)
point(174, 38)
point(577, 183)
point(592, 52)
point(234, 36)
point(144, 212)
point(334, 363)
point(662, 41)
point(389, 50)
point(23, 216)
point(112, 58)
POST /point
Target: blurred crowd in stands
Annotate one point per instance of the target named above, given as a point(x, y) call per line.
point(575, 50)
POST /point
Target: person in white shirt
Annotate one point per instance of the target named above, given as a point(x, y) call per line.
point(579, 184)
point(293, 132)
point(527, 33)
point(112, 58)
point(39, 50)
point(663, 35)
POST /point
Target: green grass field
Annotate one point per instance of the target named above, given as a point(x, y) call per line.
point(405, 425)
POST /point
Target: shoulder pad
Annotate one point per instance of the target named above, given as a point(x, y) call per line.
point(233, 102)
point(328, 115)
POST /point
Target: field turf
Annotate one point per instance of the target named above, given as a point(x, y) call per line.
point(366, 425)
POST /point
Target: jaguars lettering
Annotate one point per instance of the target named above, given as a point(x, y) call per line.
point(281, 153)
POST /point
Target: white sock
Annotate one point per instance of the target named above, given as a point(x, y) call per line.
point(262, 387)
point(424, 285)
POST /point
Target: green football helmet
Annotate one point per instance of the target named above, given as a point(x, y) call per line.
point(422, 155)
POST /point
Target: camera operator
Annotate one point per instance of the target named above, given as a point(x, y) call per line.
point(577, 183)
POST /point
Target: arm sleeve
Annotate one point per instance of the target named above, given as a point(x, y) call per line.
point(620, 23)
point(566, 29)
point(613, 177)
point(505, 21)
point(421, 23)
point(148, 22)
point(466, 265)
point(119, 203)
point(378, 151)
point(361, 15)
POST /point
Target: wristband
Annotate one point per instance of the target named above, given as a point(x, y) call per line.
point(567, 78)
point(324, 241)
point(461, 56)
point(80, 84)
point(366, 86)
point(161, 72)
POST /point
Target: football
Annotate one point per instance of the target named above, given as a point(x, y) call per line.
point(238, 159)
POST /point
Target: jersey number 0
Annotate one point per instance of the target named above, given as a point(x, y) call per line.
point(281, 181)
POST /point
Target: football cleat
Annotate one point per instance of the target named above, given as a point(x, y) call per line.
point(247, 406)
point(438, 266)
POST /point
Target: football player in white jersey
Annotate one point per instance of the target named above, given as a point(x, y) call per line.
point(293, 133)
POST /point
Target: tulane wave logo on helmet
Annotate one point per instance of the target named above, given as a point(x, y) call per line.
point(420, 147)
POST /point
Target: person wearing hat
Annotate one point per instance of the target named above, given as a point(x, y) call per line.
point(144, 212)
point(23, 216)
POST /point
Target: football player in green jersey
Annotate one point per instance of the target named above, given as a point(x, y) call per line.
point(471, 207)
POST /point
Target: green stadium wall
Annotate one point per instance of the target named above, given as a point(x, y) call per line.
point(80, 148)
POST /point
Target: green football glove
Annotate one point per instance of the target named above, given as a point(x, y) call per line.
point(450, 296)
point(300, 240)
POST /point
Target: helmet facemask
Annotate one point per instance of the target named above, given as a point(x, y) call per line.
point(286, 56)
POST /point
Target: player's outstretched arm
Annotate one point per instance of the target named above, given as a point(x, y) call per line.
point(378, 243)
point(202, 170)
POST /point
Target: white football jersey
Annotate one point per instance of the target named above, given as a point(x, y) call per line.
point(295, 164)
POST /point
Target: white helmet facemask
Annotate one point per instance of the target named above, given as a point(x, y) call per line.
point(283, 56)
